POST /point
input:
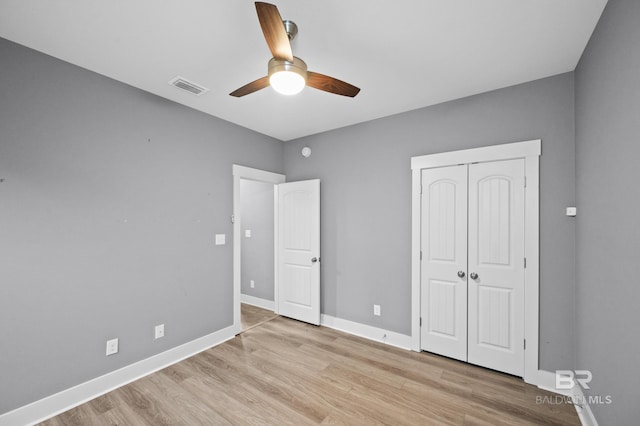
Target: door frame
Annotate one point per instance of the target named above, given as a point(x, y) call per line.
point(248, 173)
point(529, 151)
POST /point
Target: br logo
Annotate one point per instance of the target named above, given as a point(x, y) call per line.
point(566, 379)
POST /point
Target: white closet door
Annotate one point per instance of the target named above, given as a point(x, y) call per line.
point(444, 255)
point(496, 265)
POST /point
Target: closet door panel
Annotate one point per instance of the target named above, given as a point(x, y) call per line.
point(444, 254)
point(496, 265)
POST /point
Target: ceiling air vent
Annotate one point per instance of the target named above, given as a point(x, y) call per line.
point(189, 86)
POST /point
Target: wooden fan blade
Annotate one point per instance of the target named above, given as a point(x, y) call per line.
point(254, 86)
point(330, 84)
point(274, 31)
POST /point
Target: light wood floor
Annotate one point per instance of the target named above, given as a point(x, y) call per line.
point(252, 316)
point(286, 372)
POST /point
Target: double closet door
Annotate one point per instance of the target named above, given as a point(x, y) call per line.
point(472, 267)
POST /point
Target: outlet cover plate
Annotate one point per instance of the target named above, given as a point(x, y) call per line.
point(112, 347)
point(159, 331)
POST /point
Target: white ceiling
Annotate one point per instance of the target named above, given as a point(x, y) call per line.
point(404, 54)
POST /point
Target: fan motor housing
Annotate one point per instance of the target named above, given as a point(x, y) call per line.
point(298, 66)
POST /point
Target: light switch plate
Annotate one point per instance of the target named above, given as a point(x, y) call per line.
point(247, 233)
point(571, 211)
point(221, 239)
point(376, 310)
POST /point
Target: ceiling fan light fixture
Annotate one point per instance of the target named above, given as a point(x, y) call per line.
point(287, 78)
point(287, 73)
point(287, 82)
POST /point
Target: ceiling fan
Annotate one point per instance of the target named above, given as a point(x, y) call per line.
point(288, 74)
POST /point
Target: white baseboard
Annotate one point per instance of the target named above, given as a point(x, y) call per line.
point(60, 402)
point(582, 407)
point(368, 332)
point(256, 301)
point(548, 382)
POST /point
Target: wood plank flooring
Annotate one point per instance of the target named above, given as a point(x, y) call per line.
point(252, 316)
point(284, 372)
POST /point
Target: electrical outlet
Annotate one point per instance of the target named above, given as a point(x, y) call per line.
point(159, 331)
point(376, 310)
point(252, 283)
point(112, 347)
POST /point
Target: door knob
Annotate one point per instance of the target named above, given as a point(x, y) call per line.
point(461, 274)
point(314, 260)
point(473, 276)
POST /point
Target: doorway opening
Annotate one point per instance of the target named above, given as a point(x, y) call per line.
point(253, 233)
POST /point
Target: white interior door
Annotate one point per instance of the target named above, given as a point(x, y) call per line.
point(298, 251)
point(496, 265)
point(444, 261)
point(472, 268)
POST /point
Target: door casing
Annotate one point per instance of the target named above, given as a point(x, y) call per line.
point(529, 151)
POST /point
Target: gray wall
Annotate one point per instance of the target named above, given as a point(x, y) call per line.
point(366, 201)
point(256, 206)
point(109, 204)
point(608, 239)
